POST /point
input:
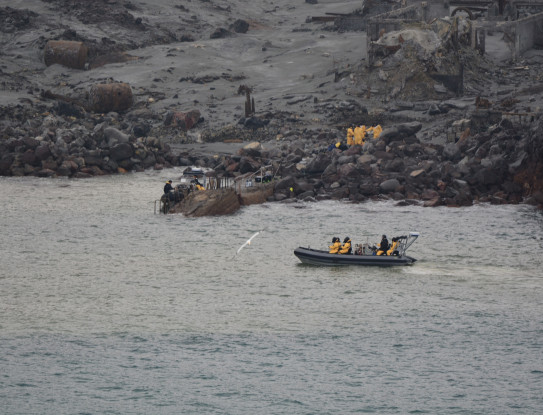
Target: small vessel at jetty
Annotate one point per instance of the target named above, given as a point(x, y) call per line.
point(201, 195)
point(365, 255)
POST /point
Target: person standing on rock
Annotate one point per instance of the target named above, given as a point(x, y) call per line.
point(377, 131)
point(359, 135)
point(350, 135)
point(168, 189)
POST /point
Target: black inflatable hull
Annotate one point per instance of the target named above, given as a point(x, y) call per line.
point(318, 257)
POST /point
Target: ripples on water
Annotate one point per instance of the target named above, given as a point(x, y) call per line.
point(108, 308)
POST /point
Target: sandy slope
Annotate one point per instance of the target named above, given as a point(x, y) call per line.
point(292, 65)
point(286, 61)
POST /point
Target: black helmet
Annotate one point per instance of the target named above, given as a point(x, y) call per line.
point(384, 236)
point(346, 239)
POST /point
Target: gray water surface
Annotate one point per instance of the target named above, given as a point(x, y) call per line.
point(108, 308)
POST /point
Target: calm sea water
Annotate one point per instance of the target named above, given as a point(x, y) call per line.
point(107, 308)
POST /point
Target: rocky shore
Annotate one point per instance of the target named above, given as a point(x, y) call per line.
point(438, 147)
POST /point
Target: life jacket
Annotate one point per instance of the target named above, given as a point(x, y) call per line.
point(335, 247)
point(346, 248)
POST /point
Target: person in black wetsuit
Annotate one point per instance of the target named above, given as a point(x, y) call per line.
point(383, 246)
point(168, 188)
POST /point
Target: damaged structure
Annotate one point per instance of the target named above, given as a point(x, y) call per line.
point(470, 21)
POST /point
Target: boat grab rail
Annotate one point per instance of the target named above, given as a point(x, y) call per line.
point(406, 242)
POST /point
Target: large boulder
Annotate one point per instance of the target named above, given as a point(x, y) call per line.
point(400, 131)
point(318, 164)
point(220, 33)
point(389, 186)
point(253, 149)
point(29, 157)
point(451, 152)
point(248, 165)
point(114, 136)
point(121, 151)
point(209, 203)
point(240, 26)
point(285, 184)
point(43, 151)
point(182, 120)
point(348, 170)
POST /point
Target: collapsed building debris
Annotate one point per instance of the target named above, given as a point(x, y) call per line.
point(520, 34)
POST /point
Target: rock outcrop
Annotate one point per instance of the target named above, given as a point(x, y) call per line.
point(208, 203)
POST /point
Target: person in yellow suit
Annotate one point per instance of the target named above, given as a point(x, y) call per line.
point(197, 184)
point(377, 131)
point(359, 135)
point(336, 245)
point(350, 134)
point(346, 247)
point(395, 243)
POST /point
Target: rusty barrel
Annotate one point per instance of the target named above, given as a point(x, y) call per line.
point(66, 53)
point(111, 97)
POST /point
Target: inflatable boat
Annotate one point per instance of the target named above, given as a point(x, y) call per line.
point(365, 257)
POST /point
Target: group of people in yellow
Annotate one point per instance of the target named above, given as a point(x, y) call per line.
point(357, 135)
point(338, 248)
point(384, 248)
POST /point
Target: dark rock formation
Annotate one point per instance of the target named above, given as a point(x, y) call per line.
point(209, 203)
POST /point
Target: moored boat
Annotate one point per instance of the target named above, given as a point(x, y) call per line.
point(367, 257)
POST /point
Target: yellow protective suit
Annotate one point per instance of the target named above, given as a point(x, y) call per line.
point(393, 247)
point(345, 247)
point(350, 134)
point(200, 187)
point(377, 131)
point(359, 135)
point(334, 248)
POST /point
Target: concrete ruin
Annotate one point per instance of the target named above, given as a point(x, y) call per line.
point(479, 19)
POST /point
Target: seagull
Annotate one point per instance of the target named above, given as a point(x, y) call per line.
point(248, 242)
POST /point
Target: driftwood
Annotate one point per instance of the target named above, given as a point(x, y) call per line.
point(50, 95)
